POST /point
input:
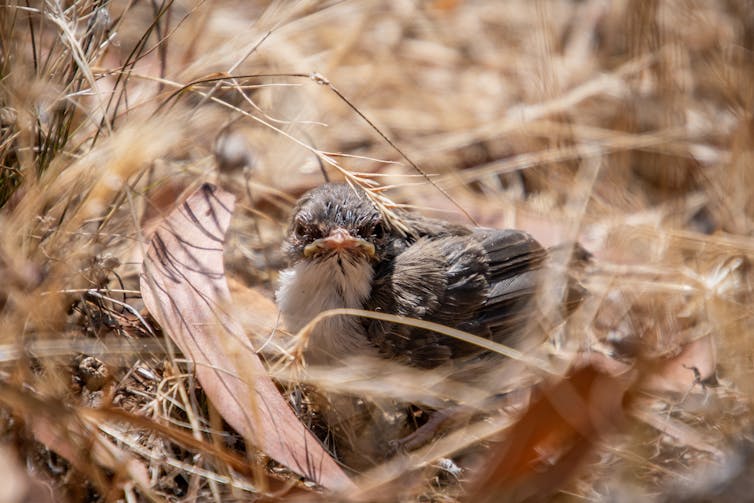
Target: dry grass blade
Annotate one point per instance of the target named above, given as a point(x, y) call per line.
point(74, 437)
point(641, 410)
point(184, 287)
point(481, 342)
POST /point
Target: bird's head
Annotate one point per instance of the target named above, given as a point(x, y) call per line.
point(336, 220)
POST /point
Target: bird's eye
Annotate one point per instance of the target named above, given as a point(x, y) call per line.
point(299, 228)
point(378, 231)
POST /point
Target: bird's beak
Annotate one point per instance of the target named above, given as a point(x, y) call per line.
point(339, 240)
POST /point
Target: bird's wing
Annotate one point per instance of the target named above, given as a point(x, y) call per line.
point(440, 280)
point(480, 283)
point(483, 283)
point(515, 261)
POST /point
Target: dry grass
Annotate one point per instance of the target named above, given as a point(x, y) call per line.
point(624, 125)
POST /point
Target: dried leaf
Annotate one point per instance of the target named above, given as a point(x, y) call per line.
point(184, 287)
point(259, 314)
point(551, 441)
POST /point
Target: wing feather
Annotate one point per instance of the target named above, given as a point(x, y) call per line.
point(483, 282)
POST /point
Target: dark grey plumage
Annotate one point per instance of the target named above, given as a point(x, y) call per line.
point(482, 282)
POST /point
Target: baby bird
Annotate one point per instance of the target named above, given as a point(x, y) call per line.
point(344, 252)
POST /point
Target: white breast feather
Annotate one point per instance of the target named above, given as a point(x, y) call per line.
point(308, 288)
